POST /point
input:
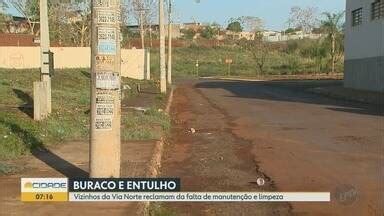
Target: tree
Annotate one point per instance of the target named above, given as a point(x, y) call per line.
point(82, 24)
point(143, 12)
point(4, 18)
point(304, 18)
point(332, 24)
point(28, 9)
point(70, 22)
point(210, 31)
point(259, 50)
point(59, 29)
point(235, 25)
point(126, 33)
point(289, 31)
point(252, 24)
point(3, 6)
point(318, 50)
point(188, 33)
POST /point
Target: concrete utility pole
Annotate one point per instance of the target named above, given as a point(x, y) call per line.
point(148, 64)
point(142, 29)
point(42, 89)
point(163, 82)
point(105, 90)
point(169, 74)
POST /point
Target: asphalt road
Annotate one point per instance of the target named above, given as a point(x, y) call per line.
point(297, 141)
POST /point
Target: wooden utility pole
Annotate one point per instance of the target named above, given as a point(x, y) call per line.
point(42, 90)
point(105, 90)
point(163, 82)
point(169, 72)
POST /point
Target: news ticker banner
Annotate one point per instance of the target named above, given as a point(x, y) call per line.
point(143, 190)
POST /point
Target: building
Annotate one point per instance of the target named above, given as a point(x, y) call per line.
point(176, 29)
point(364, 45)
point(276, 36)
point(16, 25)
point(241, 35)
point(195, 26)
point(272, 36)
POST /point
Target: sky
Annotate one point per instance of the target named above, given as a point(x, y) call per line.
point(275, 13)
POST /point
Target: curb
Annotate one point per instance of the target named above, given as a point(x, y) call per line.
point(155, 163)
point(353, 97)
point(232, 79)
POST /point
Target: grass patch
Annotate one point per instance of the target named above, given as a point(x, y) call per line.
point(8, 169)
point(151, 124)
point(280, 60)
point(19, 133)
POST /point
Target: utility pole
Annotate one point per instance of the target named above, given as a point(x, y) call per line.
point(42, 90)
point(197, 68)
point(169, 74)
point(105, 90)
point(163, 82)
point(142, 30)
point(141, 10)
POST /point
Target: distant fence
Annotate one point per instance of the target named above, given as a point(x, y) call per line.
point(133, 60)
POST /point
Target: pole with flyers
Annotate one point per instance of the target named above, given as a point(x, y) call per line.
point(105, 90)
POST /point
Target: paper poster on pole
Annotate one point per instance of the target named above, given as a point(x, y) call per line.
point(107, 80)
point(106, 47)
point(104, 97)
point(102, 3)
point(106, 34)
point(106, 17)
point(103, 123)
point(104, 109)
point(104, 62)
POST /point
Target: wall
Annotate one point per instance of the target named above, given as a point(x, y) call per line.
point(133, 63)
point(7, 39)
point(364, 49)
point(133, 60)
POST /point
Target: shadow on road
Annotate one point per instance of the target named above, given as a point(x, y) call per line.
point(45, 155)
point(59, 164)
point(87, 74)
point(27, 107)
point(291, 91)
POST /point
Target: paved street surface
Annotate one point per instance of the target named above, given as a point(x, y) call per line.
point(297, 141)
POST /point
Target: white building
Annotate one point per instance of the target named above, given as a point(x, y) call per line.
point(364, 45)
point(241, 35)
point(275, 36)
point(272, 36)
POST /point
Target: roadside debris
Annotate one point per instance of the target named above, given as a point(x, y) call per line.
point(140, 109)
point(126, 87)
point(260, 182)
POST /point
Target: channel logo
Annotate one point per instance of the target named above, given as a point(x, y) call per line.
point(45, 185)
point(28, 185)
point(44, 189)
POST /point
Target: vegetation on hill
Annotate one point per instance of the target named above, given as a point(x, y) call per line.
point(284, 58)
